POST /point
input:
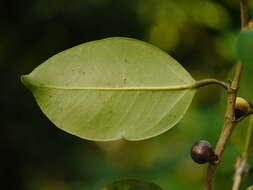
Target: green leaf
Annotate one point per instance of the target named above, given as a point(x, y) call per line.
point(111, 89)
point(131, 184)
point(249, 137)
point(244, 46)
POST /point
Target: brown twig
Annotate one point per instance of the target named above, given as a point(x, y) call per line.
point(229, 124)
point(241, 163)
point(239, 171)
point(244, 13)
point(229, 121)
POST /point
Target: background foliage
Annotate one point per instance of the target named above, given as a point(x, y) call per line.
point(200, 34)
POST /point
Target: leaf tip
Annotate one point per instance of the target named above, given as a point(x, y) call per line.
point(25, 79)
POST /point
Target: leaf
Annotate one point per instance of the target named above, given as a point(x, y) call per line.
point(249, 137)
point(111, 89)
point(132, 184)
point(244, 46)
point(238, 137)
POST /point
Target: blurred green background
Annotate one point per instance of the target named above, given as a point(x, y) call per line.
point(35, 155)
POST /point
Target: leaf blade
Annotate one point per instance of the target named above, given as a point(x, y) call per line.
point(131, 184)
point(78, 97)
point(244, 46)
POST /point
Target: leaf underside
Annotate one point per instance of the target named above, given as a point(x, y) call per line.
point(132, 184)
point(244, 46)
point(111, 89)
